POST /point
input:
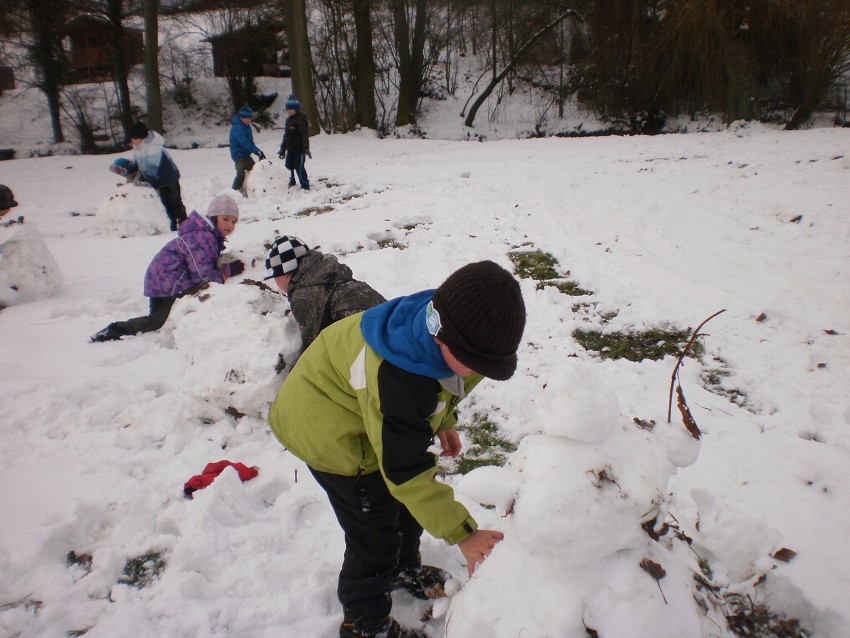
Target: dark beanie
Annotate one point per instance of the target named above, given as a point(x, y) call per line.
point(293, 103)
point(7, 199)
point(138, 131)
point(482, 316)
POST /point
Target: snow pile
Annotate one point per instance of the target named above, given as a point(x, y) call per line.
point(584, 488)
point(99, 438)
point(132, 211)
point(235, 340)
point(27, 269)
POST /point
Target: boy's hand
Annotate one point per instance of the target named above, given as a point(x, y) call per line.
point(450, 442)
point(478, 545)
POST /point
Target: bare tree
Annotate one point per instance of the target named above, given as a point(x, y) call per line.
point(115, 13)
point(300, 60)
point(152, 90)
point(38, 27)
point(240, 28)
point(364, 86)
point(411, 56)
point(517, 57)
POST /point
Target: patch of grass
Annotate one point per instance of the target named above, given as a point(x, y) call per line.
point(488, 446)
point(565, 286)
point(141, 571)
point(389, 242)
point(314, 210)
point(654, 344)
point(534, 264)
point(543, 268)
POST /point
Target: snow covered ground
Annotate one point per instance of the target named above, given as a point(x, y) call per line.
point(99, 438)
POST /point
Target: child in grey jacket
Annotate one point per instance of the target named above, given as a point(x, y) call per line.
point(320, 289)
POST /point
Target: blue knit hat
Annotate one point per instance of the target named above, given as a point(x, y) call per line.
point(246, 111)
point(293, 103)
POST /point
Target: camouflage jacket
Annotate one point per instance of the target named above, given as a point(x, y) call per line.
point(323, 291)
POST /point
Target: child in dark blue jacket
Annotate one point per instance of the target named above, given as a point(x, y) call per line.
point(242, 147)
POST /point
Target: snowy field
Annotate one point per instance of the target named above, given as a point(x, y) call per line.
point(664, 231)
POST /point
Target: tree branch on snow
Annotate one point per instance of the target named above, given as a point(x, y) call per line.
point(683, 406)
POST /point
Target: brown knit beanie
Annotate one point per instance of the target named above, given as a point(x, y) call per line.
point(481, 317)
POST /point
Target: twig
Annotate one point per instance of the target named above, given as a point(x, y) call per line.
point(682, 355)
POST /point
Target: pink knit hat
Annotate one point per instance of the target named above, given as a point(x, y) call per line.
point(223, 205)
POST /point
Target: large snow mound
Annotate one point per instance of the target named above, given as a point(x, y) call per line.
point(27, 269)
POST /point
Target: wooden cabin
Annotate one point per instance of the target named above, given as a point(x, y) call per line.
point(252, 50)
point(89, 42)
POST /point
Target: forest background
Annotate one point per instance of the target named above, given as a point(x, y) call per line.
point(619, 66)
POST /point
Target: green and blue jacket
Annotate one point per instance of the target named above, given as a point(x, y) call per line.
point(369, 395)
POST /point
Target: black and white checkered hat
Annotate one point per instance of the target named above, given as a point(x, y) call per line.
point(285, 256)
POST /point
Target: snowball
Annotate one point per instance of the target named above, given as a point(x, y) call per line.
point(588, 500)
point(133, 211)
point(490, 485)
point(577, 404)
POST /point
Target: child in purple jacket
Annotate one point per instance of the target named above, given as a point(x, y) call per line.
point(184, 263)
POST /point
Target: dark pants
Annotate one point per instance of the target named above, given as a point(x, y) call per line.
point(381, 537)
point(295, 164)
point(160, 307)
point(170, 197)
point(243, 165)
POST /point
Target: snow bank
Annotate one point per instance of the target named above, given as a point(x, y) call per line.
point(27, 269)
point(235, 341)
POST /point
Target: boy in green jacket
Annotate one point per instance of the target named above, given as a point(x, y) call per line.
point(363, 406)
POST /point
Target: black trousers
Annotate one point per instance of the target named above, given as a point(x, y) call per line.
point(160, 307)
point(243, 165)
point(381, 537)
point(295, 163)
point(171, 199)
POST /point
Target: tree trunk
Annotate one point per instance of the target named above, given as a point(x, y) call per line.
point(497, 78)
point(364, 86)
point(119, 64)
point(417, 53)
point(152, 90)
point(45, 53)
point(300, 60)
point(405, 112)
point(411, 58)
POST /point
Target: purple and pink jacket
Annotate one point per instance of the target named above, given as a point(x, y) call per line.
point(187, 260)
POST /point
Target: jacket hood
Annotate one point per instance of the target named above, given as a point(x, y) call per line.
point(154, 138)
point(197, 223)
point(396, 330)
point(235, 120)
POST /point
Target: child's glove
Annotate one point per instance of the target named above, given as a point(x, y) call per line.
point(261, 155)
point(120, 166)
point(233, 268)
point(309, 154)
point(281, 155)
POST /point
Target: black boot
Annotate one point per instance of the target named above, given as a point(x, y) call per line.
point(422, 582)
point(369, 628)
point(109, 333)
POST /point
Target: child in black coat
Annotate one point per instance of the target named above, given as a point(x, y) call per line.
point(295, 145)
